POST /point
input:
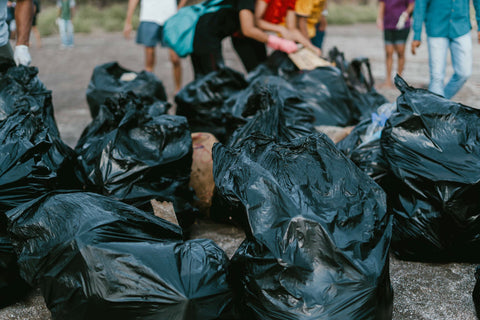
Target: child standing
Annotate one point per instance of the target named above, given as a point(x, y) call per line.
point(66, 10)
point(394, 19)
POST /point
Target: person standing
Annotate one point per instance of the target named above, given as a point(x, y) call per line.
point(394, 19)
point(153, 14)
point(66, 11)
point(312, 19)
point(23, 18)
point(447, 23)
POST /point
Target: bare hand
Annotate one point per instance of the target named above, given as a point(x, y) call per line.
point(380, 23)
point(127, 30)
point(286, 34)
point(415, 45)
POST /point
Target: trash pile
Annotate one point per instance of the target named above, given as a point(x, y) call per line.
point(319, 217)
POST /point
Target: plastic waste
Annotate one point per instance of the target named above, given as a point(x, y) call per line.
point(110, 80)
point(132, 154)
point(96, 258)
point(318, 233)
point(432, 147)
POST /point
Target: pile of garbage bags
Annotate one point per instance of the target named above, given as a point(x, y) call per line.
point(134, 153)
point(96, 258)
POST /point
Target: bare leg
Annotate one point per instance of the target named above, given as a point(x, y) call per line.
point(400, 50)
point(36, 33)
point(177, 70)
point(389, 63)
point(149, 58)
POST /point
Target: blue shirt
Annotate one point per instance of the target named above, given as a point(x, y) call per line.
point(3, 23)
point(443, 18)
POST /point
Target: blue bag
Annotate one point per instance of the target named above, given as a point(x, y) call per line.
point(179, 30)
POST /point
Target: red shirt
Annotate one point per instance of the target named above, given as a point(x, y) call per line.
point(277, 10)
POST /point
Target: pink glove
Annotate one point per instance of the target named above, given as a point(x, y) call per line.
point(284, 45)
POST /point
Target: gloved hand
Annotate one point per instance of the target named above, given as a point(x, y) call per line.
point(284, 45)
point(22, 55)
point(402, 20)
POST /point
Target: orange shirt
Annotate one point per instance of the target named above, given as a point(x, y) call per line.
point(312, 9)
point(277, 10)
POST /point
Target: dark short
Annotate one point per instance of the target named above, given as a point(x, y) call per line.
point(150, 34)
point(393, 37)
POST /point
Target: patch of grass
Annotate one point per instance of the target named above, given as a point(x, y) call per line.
point(351, 13)
point(87, 18)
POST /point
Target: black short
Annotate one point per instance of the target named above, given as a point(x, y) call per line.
point(396, 36)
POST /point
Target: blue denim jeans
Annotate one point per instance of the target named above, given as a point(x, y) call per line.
point(461, 54)
point(66, 32)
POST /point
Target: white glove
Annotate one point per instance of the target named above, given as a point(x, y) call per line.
point(22, 55)
point(402, 20)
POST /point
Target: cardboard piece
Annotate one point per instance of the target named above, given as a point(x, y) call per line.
point(306, 59)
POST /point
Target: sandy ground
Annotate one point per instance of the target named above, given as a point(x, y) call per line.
point(422, 291)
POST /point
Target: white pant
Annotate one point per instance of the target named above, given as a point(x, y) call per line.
point(66, 32)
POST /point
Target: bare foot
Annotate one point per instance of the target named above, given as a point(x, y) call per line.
point(385, 85)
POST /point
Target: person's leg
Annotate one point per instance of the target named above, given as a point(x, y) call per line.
point(177, 70)
point(461, 52)
point(389, 65)
point(400, 51)
point(205, 63)
point(250, 51)
point(317, 40)
point(70, 33)
point(36, 33)
point(149, 58)
point(437, 59)
point(62, 29)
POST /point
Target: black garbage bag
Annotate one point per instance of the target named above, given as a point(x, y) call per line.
point(476, 292)
point(133, 155)
point(326, 91)
point(318, 238)
point(110, 80)
point(34, 161)
point(358, 76)
point(432, 146)
point(96, 258)
point(270, 105)
point(21, 89)
point(201, 101)
point(363, 146)
point(277, 64)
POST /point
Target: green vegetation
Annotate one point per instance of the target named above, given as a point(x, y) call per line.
point(87, 19)
point(111, 18)
point(351, 13)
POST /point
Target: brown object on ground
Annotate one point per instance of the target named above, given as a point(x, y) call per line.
point(164, 210)
point(306, 59)
point(337, 134)
point(201, 178)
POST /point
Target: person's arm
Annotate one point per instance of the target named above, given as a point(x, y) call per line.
point(260, 8)
point(248, 28)
point(127, 29)
point(476, 5)
point(23, 18)
point(303, 9)
point(291, 23)
point(323, 20)
point(418, 19)
point(302, 25)
point(380, 14)
point(182, 4)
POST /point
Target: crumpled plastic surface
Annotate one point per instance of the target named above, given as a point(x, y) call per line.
point(21, 89)
point(110, 80)
point(363, 146)
point(201, 102)
point(432, 146)
point(96, 258)
point(132, 154)
point(34, 161)
point(318, 238)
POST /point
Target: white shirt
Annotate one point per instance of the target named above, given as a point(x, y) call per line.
point(3, 23)
point(157, 11)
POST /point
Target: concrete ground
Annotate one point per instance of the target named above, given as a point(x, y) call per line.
point(423, 291)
